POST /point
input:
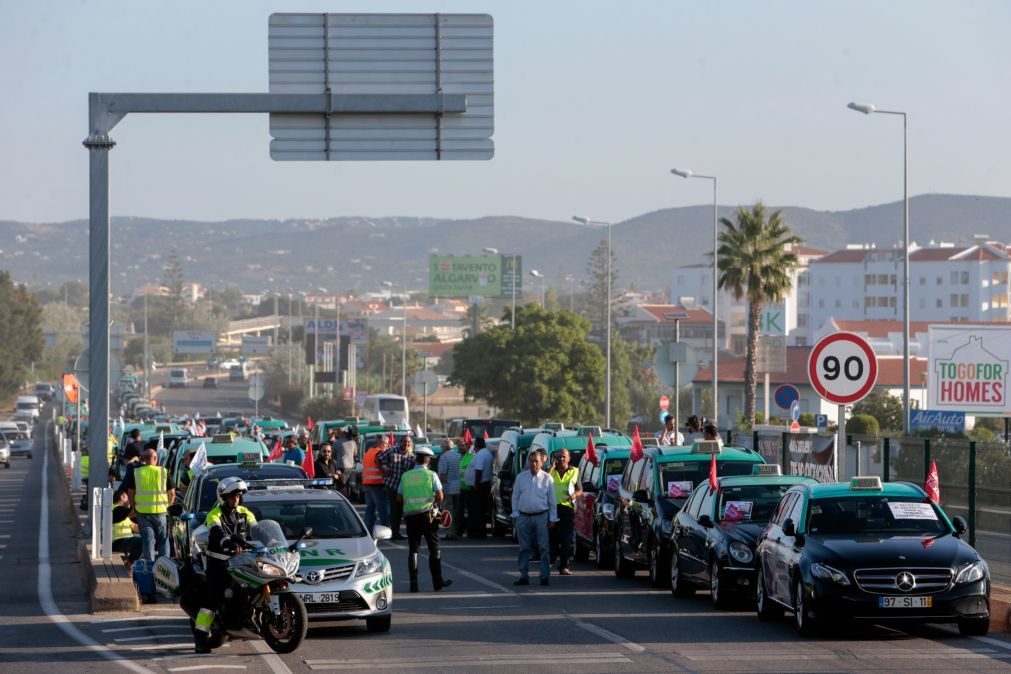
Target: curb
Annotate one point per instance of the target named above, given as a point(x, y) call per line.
point(109, 587)
point(1000, 608)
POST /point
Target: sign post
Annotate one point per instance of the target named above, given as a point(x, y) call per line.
point(842, 369)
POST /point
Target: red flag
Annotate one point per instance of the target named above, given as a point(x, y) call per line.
point(933, 486)
point(468, 439)
point(486, 434)
point(591, 452)
point(276, 451)
point(636, 453)
point(307, 463)
point(713, 479)
point(308, 423)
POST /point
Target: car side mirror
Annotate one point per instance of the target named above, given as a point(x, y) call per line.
point(175, 510)
point(960, 526)
point(381, 533)
point(706, 521)
point(640, 496)
point(789, 528)
point(589, 487)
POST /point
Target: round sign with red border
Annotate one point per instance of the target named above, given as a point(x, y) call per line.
point(842, 368)
point(664, 403)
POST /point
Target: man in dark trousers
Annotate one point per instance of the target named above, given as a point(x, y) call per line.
point(419, 493)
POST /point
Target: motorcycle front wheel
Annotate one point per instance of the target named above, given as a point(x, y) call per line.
point(284, 632)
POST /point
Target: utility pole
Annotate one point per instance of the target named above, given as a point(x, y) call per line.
point(147, 355)
point(289, 339)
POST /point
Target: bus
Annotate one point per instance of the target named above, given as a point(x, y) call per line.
point(391, 409)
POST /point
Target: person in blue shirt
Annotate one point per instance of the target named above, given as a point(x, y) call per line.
point(292, 452)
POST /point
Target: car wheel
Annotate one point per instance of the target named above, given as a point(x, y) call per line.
point(599, 550)
point(622, 567)
point(379, 623)
point(974, 628)
point(656, 576)
point(716, 592)
point(765, 607)
point(678, 586)
point(806, 625)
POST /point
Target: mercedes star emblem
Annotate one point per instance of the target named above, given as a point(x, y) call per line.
point(905, 581)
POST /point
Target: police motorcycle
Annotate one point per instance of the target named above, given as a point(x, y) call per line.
point(258, 598)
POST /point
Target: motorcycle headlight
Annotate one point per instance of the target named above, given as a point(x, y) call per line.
point(970, 573)
point(373, 564)
point(741, 552)
point(268, 569)
point(822, 572)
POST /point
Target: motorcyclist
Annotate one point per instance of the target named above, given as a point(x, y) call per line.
point(228, 525)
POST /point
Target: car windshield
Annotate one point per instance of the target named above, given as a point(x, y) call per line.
point(495, 428)
point(391, 405)
point(272, 471)
point(613, 468)
point(875, 515)
point(678, 479)
point(332, 518)
point(267, 533)
point(749, 503)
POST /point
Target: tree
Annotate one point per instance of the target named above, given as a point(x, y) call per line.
point(173, 281)
point(863, 424)
point(20, 334)
point(596, 288)
point(547, 369)
point(887, 409)
point(754, 263)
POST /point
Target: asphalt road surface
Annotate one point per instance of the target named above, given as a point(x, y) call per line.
point(588, 622)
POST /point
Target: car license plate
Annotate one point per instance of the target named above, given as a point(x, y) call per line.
point(905, 602)
point(320, 597)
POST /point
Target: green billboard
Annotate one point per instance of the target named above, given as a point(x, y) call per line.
point(471, 275)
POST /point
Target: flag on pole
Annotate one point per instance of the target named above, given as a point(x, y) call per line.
point(308, 423)
point(933, 486)
point(418, 432)
point(276, 451)
point(468, 439)
point(199, 462)
point(202, 427)
point(308, 465)
point(381, 418)
point(161, 443)
point(636, 452)
point(713, 478)
point(591, 452)
point(486, 434)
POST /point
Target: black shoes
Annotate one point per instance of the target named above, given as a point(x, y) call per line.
point(545, 581)
point(398, 537)
point(522, 581)
point(414, 586)
point(445, 583)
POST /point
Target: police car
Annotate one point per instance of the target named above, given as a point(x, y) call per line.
point(867, 550)
point(342, 574)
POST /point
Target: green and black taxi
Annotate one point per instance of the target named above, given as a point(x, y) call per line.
point(714, 534)
point(654, 489)
point(510, 459)
point(867, 550)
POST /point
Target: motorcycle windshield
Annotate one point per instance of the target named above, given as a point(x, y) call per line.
point(268, 533)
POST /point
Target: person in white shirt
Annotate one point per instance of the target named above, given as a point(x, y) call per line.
point(534, 512)
point(670, 436)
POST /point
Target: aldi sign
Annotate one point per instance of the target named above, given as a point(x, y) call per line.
point(968, 369)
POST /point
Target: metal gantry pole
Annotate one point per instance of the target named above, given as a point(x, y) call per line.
point(513, 315)
point(403, 350)
point(607, 401)
point(716, 319)
point(905, 279)
point(147, 354)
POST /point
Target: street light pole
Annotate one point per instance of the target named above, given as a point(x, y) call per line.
point(607, 392)
point(684, 173)
point(867, 109)
point(403, 340)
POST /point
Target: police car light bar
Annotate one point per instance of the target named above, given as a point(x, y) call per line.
point(865, 483)
point(767, 469)
point(706, 447)
point(289, 483)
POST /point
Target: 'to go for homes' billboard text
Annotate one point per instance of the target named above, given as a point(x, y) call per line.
point(969, 369)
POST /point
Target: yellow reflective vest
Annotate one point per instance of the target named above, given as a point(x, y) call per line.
point(563, 483)
point(151, 490)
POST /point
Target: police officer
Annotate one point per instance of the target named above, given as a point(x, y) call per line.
point(420, 491)
point(228, 525)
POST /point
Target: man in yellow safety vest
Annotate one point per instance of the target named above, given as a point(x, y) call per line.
point(567, 488)
point(419, 492)
point(150, 496)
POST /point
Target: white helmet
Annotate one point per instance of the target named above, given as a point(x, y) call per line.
point(230, 485)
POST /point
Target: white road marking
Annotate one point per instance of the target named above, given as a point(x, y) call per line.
point(994, 642)
point(150, 637)
point(162, 647)
point(135, 629)
point(194, 668)
point(446, 595)
point(463, 572)
point(446, 661)
point(45, 590)
point(132, 619)
point(271, 658)
point(606, 634)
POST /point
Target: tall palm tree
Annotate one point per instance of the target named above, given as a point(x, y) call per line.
point(754, 262)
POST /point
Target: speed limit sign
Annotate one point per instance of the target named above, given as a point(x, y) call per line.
point(842, 368)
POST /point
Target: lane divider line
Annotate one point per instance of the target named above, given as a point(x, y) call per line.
point(463, 572)
point(606, 634)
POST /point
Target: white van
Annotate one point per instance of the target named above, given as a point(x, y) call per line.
point(391, 409)
point(27, 408)
point(178, 377)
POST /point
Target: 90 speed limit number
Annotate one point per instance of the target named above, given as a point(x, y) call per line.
point(842, 368)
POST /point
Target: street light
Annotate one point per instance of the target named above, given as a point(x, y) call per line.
point(607, 392)
point(570, 279)
point(403, 342)
point(685, 173)
point(867, 108)
point(537, 274)
point(494, 251)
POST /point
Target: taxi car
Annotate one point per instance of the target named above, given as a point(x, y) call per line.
point(509, 460)
point(342, 574)
point(867, 550)
point(651, 492)
point(221, 448)
point(714, 535)
point(600, 484)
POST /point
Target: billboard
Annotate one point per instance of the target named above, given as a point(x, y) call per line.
point(254, 345)
point(193, 341)
point(355, 329)
point(475, 275)
point(968, 369)
point(938, 421)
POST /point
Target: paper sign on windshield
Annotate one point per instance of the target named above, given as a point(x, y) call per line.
point(613, 482)
point(912, 511)
point(679, 489)
point(737, 510)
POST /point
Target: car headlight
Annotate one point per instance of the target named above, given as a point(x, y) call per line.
point(373, 564)
point(741, 552)
point(972, 572)
point(268, 569)
point(823, 572)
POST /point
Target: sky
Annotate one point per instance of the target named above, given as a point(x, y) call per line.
point(594, 103)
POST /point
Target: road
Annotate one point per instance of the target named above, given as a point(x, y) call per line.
point(588, 622)
point(229, 396)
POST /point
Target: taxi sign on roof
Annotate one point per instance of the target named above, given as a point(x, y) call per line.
point(706, 447)
point(249, 457)
point(767, 469)
point(223, 439)
point(865, 483)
